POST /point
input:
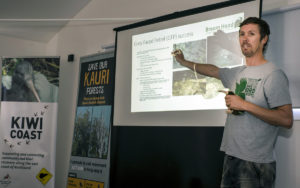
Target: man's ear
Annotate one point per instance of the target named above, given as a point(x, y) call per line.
point(265, 39)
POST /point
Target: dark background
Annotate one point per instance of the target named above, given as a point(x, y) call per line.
point(170, 157)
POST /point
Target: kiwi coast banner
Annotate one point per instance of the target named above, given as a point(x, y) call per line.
point(28, 124)
point(90, 157)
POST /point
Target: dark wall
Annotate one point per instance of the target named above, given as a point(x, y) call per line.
point(170, 157)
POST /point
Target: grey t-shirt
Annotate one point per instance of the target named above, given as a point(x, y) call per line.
point(246, 136)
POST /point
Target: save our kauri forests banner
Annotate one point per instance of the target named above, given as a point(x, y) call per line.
point(28, 121)
point(90, 157)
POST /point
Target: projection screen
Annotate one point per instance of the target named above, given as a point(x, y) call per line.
point(152, 89)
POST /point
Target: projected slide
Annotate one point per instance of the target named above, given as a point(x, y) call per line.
point(159, 83)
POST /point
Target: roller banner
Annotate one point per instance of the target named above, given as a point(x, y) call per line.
point(90, 157)
point(28, 126)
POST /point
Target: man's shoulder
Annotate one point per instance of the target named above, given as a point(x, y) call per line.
point(273, 69)
point(271, 66)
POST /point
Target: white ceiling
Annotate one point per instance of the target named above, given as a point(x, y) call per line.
point(40, 20)
point(19, 18)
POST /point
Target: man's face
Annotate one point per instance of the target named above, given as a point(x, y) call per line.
point(250, 40)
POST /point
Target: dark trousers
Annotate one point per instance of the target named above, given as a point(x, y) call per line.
point(238, 173)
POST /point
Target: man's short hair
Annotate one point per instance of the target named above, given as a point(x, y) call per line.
point(263, 26)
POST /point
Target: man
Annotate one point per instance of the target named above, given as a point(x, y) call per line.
point(249, 138)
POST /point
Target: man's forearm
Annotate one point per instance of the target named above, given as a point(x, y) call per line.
point(280, 116)
point(204, 69)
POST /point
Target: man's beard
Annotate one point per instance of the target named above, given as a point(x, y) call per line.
point(248, 52)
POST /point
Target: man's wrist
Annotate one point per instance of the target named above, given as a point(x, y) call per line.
point(245, 105)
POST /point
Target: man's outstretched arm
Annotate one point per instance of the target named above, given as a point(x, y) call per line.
point(204, 69)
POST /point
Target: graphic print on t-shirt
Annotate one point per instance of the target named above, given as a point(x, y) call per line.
point(246, 87)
